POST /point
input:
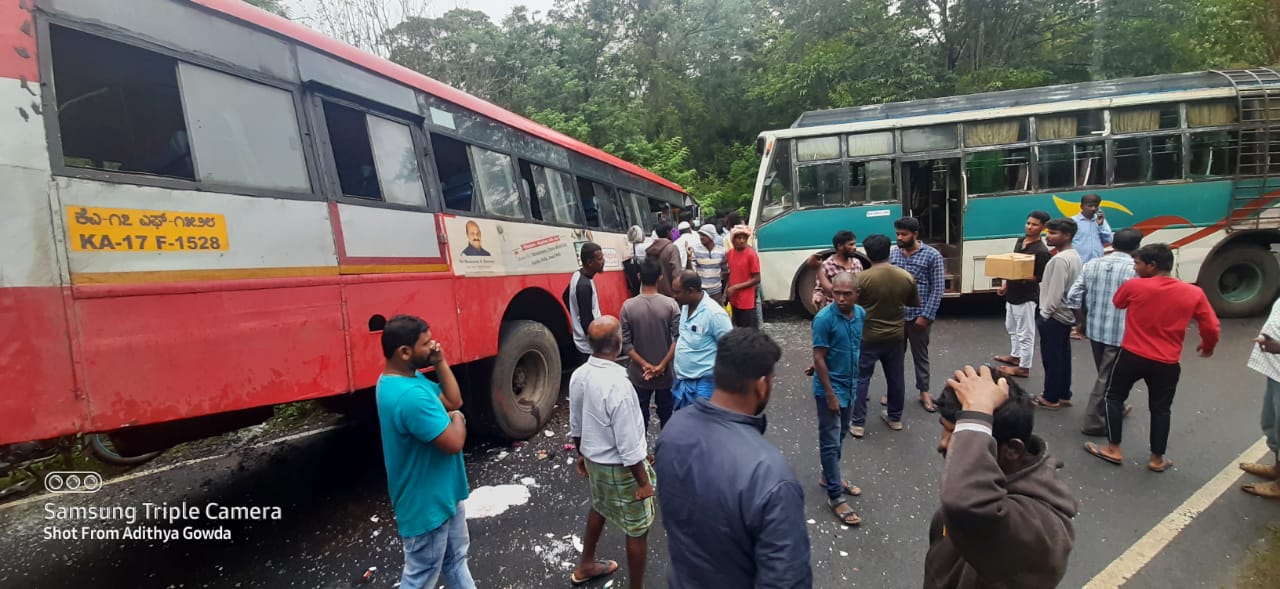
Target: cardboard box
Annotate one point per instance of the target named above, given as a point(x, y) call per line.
point(1011, 266)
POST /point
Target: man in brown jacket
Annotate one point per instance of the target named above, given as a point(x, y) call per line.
point(664, 251)
point(1005, 519)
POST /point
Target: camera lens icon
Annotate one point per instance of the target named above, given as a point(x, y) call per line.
point(63, 482)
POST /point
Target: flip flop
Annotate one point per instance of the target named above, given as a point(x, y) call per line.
point(848, 489)
point(1092, 448)
point(1167, 465)
point(1043, 404)
point(930, 406)
point(610, 567)
point(1268, 490)
point(1010, 360)
point(1011, 372)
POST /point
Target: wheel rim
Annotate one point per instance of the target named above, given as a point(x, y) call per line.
point(528, 378)
point(1240, 282)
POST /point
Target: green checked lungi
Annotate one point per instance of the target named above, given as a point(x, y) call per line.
point(613, 495)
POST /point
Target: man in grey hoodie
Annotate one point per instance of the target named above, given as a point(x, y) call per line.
point(1005, 519)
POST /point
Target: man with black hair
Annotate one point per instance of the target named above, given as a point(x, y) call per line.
point(1159, 309)
point(884, 290)
point(1103, 323)
point(1020, 300)
point(732, 507)
point(925, 264)
point(663, 250)
point(702, 323)
point(837, 343)
point(422, 437)
point(581, 298)
point(1056, 320)
point(604, 422)
point(1005, 519)
point(1093, 233)
point(846, 245)
point(650, 323)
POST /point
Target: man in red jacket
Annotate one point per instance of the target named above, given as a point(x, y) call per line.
point(1159, 309)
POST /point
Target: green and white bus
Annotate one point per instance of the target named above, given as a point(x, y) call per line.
point(1192, 160)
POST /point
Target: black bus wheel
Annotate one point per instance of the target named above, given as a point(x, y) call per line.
point(1241, 280)
point(525, 382)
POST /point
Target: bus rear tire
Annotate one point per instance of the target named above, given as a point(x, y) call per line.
point(104, 449)
point(525, 382)
point(1241, 281)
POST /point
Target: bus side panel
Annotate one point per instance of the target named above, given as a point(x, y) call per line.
point(17, 36)
point(430, 298)
point(39, 398)
point(161, 357)
point(483, 300)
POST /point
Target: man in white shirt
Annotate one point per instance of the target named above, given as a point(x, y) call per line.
point(1266, 360)
point(606, 424)
point(688, 240)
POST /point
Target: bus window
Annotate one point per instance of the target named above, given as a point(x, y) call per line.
point(1147, 159)
point(600, 206)
point(497, 182)
point(1000, 170)
point(818, 148)
point(454, 170)
point(553, 199)
point(636, 209)
point(352, 153)
point(990, 133)
point(930, 138)
point(243, 133)
point(1214, 153)
point(777, 197)
point(1147, 118)
point(870, 181)
point(1218, 113)
point(1069, 125)
point(1072, 165)
point(871, 144)
point(118, 107)
point(820, 185)
point(397, 162)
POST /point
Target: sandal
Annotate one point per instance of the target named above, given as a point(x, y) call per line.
point(928, 405)
point(1092, 448)
point(1166, 466)
point(1043, 404)
point(1269, 490)
point(605, 568)
point(1012, 371)
point(847, 517)
point(1010, 360)
point(848, 489)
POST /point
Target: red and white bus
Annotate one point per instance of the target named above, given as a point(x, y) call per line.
point(209, 210)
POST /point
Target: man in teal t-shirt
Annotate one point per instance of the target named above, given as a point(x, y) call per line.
point(837, 346)
point(422, 437)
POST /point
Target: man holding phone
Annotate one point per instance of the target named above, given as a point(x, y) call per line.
point(1266, 360)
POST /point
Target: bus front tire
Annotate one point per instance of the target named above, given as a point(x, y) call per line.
point(525, 382)
point(1241, 280)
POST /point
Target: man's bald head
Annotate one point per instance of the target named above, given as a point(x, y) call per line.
point(605, 336)
point(846, 279)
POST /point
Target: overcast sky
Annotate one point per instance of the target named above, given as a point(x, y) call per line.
point(496, 9)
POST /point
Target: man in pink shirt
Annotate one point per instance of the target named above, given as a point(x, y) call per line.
point(1159, 309)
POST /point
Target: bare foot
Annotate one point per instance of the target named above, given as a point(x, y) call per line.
point(1266, 471)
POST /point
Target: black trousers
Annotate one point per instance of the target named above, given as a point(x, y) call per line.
point(1162, 383)
point(666, 404)
point(745, 318)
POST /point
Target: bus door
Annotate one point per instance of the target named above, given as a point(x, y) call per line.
point(933, 192)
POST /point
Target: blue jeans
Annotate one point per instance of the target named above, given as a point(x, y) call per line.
point(440, 554)
point(832, 427)
point(1055, 356)
point(685, 390)
point(891, 355)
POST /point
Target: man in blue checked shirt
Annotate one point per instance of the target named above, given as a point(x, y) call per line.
point(924, 263)
point(1090, 297)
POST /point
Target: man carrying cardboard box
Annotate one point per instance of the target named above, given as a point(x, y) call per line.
point(1020, 298)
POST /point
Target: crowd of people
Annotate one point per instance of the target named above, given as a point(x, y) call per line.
point(691, 345)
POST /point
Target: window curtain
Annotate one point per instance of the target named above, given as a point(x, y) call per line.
point(993, 133)
point(819, 148)
point(1210, 114)
point(1135, 120)
point(1050, 128)
point(870, 144)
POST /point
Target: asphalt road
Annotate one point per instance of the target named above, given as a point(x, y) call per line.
point(336, 522)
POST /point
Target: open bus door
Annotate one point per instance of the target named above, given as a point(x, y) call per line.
point(933, 192)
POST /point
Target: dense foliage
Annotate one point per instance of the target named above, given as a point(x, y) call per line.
point(684, 86)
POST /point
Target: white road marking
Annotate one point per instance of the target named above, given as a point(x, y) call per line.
point(1148, 546)
point(137, 475)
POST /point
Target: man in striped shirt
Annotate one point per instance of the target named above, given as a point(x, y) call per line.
point(708, 262)
point(1090, 298)
point(1265, 359)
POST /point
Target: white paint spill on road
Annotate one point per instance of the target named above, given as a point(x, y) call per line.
point(528, 482)
point(495, 500)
